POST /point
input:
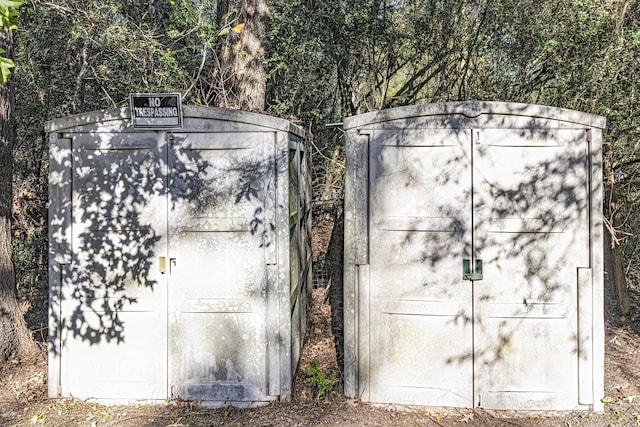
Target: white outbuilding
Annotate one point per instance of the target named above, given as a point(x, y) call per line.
point(180, 259)
point(474, 257)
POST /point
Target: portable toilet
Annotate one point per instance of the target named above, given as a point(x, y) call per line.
point(179, 261)
point(474, 257)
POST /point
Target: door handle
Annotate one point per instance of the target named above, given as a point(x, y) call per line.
point(467, 274)
point(163, 264)
point(172, 264)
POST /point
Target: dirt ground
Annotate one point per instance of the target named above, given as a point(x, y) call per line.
point(23, 399)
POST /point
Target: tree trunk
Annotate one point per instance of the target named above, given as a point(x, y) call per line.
point(15, 337)
point(620, 280)
point(242, 58)
point(333, 175)
point(616, 296)
point(616, 256)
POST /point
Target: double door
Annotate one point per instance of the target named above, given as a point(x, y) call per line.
point(167, 286)
point(478, 244)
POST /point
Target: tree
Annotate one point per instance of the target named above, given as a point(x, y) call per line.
point(243, 53)
point(15, 337)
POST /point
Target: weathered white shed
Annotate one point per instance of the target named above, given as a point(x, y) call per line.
point(474, 257)
point(179, 260)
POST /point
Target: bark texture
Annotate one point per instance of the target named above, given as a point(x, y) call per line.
point(15, 338)
point(614, 256)
point(242, 71)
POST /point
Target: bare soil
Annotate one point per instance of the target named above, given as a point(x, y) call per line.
point(23, 400)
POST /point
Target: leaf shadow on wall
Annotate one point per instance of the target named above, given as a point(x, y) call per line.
point(525, 215)
point(109, 200)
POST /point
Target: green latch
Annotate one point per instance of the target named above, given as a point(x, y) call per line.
point(466, 270)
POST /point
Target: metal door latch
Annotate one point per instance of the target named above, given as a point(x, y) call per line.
point(163, 264)
point(467, 274)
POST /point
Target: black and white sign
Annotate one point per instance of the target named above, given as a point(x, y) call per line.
point(156, 110)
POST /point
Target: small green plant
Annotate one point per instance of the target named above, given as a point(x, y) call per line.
point(322, 383)
point(37, 419)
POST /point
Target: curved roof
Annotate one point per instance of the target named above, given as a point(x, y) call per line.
point(83, 120)
point(475, 109)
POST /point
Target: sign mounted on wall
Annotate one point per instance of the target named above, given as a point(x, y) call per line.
point(156, 110)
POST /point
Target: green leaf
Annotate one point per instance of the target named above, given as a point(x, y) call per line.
point(8, 21)
point(9, 13)
point(10, 3)
point(5, 69)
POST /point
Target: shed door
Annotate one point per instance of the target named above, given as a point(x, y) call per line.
point(531, 233)
point(115, 298)
point(420, 309)
point(221, 228)
point(514, 201)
